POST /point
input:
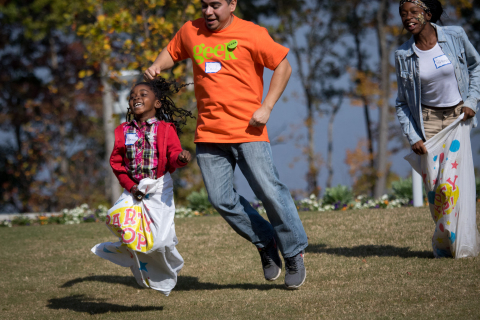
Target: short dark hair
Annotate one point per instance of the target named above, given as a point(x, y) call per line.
point(436, 9)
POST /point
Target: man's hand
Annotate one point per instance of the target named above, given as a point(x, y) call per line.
point(419, 148)
point(163, 62)
point(152, 72)
point(137, 194)
point(184, 156)
point(277, 85)
point(469, 113)
point(260, 117)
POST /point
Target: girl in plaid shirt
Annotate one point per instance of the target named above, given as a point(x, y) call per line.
point(146, 151)
point(147, 145)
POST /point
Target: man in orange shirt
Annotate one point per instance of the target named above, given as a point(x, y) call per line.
point(229, 55)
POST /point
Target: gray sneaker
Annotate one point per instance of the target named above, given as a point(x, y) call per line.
point(295, 272)
point(271, 262)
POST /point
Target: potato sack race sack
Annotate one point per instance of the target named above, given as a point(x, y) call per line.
point(146, 230)
point(449, 181)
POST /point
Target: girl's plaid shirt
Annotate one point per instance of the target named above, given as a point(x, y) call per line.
point(141, 157)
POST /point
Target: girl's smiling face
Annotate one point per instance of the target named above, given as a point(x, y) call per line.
point(414, 18)
point(143, 102)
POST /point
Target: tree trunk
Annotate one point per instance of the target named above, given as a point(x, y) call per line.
point(112, 188)
point(312, 182)
point(330, 145)
point(62, 130)
point(366, 110)
point(382, 151)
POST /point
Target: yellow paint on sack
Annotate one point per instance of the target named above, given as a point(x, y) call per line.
point(132, 226)
point(446, 196)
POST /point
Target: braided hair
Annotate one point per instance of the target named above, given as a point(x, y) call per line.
point(162, 89)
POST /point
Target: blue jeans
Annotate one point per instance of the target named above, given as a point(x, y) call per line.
point(217, 163)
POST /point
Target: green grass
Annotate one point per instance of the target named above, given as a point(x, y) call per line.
point(369, 264)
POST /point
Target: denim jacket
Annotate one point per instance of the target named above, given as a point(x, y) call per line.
point(466, 62)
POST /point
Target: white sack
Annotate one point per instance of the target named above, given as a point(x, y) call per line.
point(146, 231)
point(449, 181)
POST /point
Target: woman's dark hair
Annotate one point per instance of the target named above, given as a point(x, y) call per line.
point(168, 112)
point(436, 9)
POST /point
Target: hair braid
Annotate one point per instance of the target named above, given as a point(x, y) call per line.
point(162, 89)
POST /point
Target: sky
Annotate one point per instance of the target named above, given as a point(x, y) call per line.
point(349, 127)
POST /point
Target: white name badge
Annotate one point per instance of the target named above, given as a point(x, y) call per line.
point(441, 61)
point(212, 67)
point(131, 138)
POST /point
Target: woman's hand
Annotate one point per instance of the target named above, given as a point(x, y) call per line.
point(469, 113)
point(419, 148)
point(184, 156)
point(137, 194)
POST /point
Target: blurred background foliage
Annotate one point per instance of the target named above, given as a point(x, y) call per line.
point(54, 56)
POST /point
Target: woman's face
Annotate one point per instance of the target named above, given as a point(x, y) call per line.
point(414, 18)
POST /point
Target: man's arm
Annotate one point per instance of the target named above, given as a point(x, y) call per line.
point(164, 61)
point(277, 85)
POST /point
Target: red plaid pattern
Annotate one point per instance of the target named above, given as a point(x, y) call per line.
point(141, 157)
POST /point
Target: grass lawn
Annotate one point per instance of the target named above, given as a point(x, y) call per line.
point(369, 264)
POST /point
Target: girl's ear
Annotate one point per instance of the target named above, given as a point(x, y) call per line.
point(158, 104)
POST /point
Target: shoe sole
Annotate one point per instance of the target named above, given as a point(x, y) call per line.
point(297, 286)
point(276, 277)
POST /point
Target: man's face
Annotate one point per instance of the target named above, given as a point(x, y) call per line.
point(217, 13)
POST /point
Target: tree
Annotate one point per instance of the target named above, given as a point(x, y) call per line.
point(313, 35)
point(127, 35)
point(48, 118)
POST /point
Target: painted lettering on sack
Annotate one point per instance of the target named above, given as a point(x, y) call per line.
point(221, 51)
point(132, 226)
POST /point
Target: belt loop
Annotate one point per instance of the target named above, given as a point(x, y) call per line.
point(455, 111)
point(428, 114)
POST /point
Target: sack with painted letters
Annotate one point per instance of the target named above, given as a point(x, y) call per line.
point(449, 181)
point(146, 232)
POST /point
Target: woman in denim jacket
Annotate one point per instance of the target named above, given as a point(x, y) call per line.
point(438, 74)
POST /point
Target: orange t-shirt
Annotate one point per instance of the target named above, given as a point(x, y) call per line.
point(228, 78)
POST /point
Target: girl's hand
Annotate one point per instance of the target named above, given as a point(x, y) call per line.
point(137, 194)
point(419, 148)
point(469, 113)
point(185, 156)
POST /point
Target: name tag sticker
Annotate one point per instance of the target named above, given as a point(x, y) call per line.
point(441, 61)
point(130, 139)
point(212, 67)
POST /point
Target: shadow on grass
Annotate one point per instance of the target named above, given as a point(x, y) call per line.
point(187, 283)
point(370, 250)
point(81, 303)
point(184, 283)
point(127, 281)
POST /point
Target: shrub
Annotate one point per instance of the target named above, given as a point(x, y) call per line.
point(339, 195)
point(311, 203)
point(402, 189)
point(21, 221)
point(198, 202)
